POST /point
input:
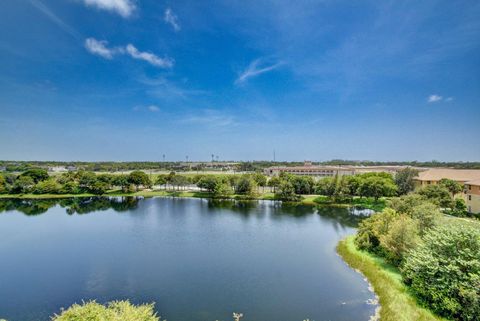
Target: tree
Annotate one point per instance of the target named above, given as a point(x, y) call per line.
point(303, 184)
point(444, 271)
point(36, 174)
point(246, 186)
point(404, 180)
point(3, 185)
point(402, 236)
point(459, 208)
point(208, 183)
point(161, 180)
point(99, 188)
point(452, 186)
point(376, 187)
point(326, 186)
point(274, 182)
point(49, 186)
point(139, 178)
point(260, 179)
point(427, 215)
point(121, 181)
point(222, 190)
point(23, 184)
point(437, 194)
point(286, 192)
point(372, 229)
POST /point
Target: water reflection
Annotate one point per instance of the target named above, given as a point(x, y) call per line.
point(344, 216)
point(82, 205)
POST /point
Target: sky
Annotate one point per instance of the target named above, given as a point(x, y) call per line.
point(130, 80)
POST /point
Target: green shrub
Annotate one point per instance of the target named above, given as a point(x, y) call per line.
point(402, 236)
point(49, 186)
point(373, 228)
point(112, 311)
point(444, 271)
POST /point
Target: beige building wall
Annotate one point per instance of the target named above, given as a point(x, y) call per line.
point(472, 198)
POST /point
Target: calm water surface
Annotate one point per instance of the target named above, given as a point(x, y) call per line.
point(198, 260)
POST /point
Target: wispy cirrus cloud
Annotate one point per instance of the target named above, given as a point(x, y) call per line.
point(100, 48)
point(55, 19)
point(149, 57)
point(124, 8)
point(171, 19)
point(256, 68)
point(166, 89)
point(210, 117)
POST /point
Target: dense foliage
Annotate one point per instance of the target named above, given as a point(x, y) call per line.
point(440, 262)
point(444, 271)
point(112, 311)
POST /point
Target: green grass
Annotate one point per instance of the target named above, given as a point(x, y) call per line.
point(396, 301)
point(370, 203)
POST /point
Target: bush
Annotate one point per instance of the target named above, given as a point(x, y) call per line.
point(444, 271)
point(49, 186)
point(373, 228)
point(402, 236)
point(437, 194)
point(112, 311)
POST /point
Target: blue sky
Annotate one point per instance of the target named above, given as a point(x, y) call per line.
point(136, 79)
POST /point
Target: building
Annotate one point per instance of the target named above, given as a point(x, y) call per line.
point(326, 171)
point(433, 175)
point(310, 170)
point(472, 196)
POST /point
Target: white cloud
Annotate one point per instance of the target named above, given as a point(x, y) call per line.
point(124, 8)
point(99, 47)
point(153, 108)
point(149, 57)
point(256, 67)
point(434, 98)
point(449, 99)
point(171, 19)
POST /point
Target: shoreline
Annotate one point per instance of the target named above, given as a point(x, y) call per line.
point(394, 297)
point(313, 200)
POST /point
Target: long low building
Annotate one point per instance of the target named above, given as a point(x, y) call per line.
point(326, 171)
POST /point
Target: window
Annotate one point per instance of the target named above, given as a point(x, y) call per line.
point(469, 197)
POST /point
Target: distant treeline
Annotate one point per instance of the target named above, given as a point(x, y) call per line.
point(252, 166)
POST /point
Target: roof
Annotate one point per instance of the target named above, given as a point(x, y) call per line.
point(313, 167)
point(461, 175)
point(475, 182)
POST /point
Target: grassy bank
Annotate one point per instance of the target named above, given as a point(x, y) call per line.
point(396, 301)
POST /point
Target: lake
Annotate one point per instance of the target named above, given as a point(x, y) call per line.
point(197, 259)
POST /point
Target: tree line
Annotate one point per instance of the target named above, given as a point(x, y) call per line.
point(286, 187)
